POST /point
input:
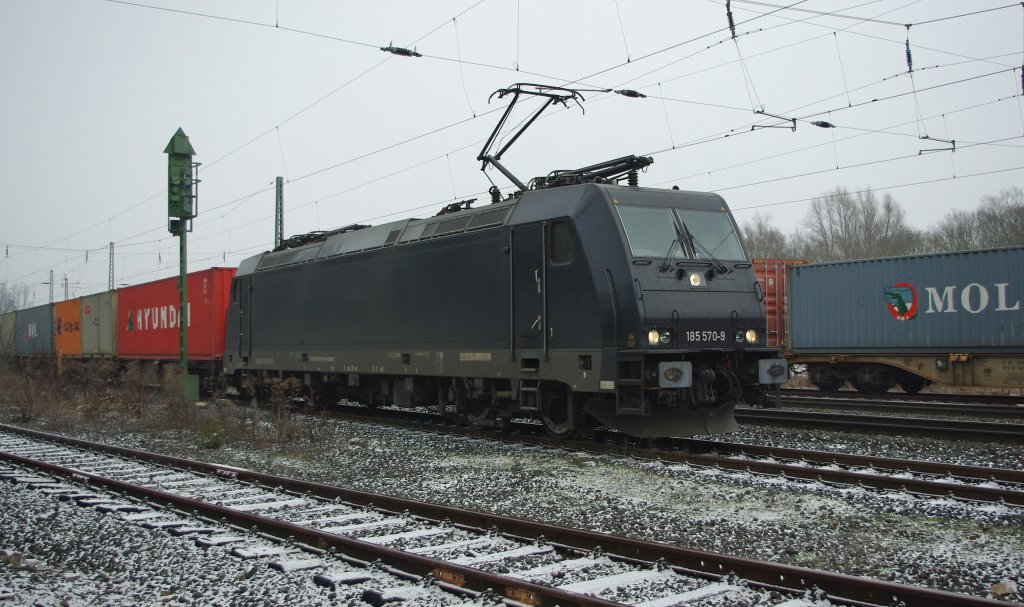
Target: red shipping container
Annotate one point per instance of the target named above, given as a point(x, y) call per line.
point(147, 317)
point(773, 276)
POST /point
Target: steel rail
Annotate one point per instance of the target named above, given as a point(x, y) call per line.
point(833, 401)
point(678, 450)
point(958, 429)
point(451, 576)
point(990, 400)
point(980, 473)
point(773, 575)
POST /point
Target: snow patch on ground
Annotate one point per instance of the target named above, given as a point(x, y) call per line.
point(933, 542)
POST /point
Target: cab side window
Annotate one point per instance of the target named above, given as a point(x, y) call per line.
point(561, 245)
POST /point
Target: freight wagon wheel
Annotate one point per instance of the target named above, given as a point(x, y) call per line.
point(824, 380)
point(911, 383)
point(830, 384)
point(873, 380)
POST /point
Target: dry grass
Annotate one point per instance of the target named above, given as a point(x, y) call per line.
point(99, 393)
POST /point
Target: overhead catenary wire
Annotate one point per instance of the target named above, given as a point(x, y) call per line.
point(622, 29)
point(921, 128)
point(267, 188)
point(279, 125)
point(842, 70)
point(790, 45)
point(216, 161)
point(462, 74)
point(879, 21)
point(250, 196)
point(739, 130)
point(885, 187)
point(280, 143)
point(860, 132)
point(668, 122)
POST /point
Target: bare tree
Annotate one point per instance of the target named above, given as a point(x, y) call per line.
point(885, 231)
point(13, 297)
point(1000, 219)
point(997, 222)
point(764, 239)
point(841, 226)
point(957, 231)
point(831, 227)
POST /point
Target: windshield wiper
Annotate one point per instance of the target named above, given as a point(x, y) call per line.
point(719, 266)
point(667, 264)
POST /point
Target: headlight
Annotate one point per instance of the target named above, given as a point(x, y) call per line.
point(696, 279)
point(656, 337)
point(751, 336)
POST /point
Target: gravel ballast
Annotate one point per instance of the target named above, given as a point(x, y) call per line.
point(934, 542)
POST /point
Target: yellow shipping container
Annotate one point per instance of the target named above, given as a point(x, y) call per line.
point(67, 327)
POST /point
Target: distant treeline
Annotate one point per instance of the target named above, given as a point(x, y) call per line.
point(842, 225)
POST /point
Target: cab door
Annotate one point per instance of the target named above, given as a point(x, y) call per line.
point(243, 298)
point(529, 281)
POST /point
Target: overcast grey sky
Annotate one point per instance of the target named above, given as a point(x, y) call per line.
point(94, 89)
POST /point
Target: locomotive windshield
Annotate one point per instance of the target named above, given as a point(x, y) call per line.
point(661, 232)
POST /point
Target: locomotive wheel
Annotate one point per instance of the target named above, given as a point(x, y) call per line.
point(477, 412)
point(557, 414)
point(472, 411)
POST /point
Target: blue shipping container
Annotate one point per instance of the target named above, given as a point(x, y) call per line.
point(34, 331)
point(967, 301)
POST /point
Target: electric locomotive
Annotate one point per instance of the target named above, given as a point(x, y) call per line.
point(575, 300)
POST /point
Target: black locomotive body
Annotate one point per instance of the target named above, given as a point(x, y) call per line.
point(634, 308)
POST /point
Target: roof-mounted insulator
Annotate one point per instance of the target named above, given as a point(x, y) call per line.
point(402, 52)
point(631, 93)
point(455, 207)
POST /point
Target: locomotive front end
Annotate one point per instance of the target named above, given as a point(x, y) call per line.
point(690, 328)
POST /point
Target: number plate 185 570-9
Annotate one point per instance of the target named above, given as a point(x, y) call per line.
point(704, 336)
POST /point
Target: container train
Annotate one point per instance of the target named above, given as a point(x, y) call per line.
point(575, 300)
point(634, 308)
point(945, 318)
point(133, 323)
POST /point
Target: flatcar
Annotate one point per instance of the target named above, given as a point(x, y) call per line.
point(947, 318)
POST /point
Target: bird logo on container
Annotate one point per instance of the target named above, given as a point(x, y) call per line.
point(901, 299)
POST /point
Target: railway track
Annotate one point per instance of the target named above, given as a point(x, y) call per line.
point(922, 478)
point(336, 533)
point(982, 406)
point(941, 428)
point(947, 397)
point(974, 483)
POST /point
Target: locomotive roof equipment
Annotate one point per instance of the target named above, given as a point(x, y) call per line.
point(611, 171)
